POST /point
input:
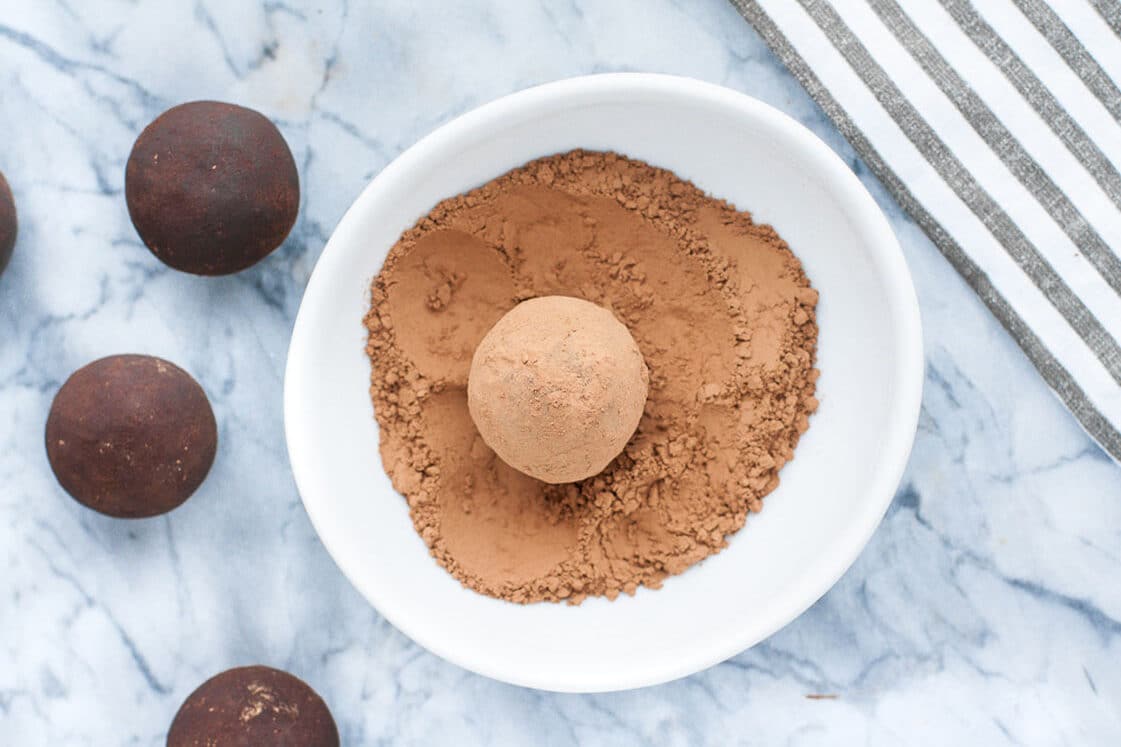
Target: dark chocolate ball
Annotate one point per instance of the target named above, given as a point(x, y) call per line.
point(7, 223)
point(253, 707)
point(212, 188)
point(131, 436)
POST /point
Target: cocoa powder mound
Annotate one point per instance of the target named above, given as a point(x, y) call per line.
point(725, 319)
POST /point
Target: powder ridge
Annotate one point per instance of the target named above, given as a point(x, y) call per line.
point(720, 309)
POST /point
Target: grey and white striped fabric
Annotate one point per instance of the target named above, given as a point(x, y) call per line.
point(997, 126)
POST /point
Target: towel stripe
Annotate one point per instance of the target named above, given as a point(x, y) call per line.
point(939, 156)
point(1035, 93)
point(1059, 36)
point(1003, 143)
point(1052, 370)
point(1110, 11)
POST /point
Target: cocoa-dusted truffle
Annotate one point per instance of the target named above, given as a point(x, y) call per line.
point(131, 436)
point(212, 188)
point(557, 388)
point(7, 223)
point(253, 707)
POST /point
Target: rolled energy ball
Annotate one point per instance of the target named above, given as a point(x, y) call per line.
point(131, 436)
point(212, 188)
point(7, 223)
point(557, 388)
point(253, 707)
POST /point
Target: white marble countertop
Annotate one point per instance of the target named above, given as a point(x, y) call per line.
point(986, 609)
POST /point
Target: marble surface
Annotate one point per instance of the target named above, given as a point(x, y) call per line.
point(986, 609)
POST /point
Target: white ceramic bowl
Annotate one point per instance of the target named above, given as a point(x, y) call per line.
point(832, 495)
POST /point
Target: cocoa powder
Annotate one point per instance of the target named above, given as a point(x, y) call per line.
point(721, 311)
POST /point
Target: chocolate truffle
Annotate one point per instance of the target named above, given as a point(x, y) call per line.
point(557, 388)
point(7, 223)
point(212, 188)
point(253, 707)
point(131, 436)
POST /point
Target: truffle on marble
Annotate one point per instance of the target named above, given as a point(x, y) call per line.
point(131, 436)
point(253, 706)
point(8, 224)
point(212, 188)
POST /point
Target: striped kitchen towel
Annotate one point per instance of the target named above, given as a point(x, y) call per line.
point(997, 125)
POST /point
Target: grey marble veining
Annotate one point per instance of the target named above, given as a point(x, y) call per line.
point(986, 609)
